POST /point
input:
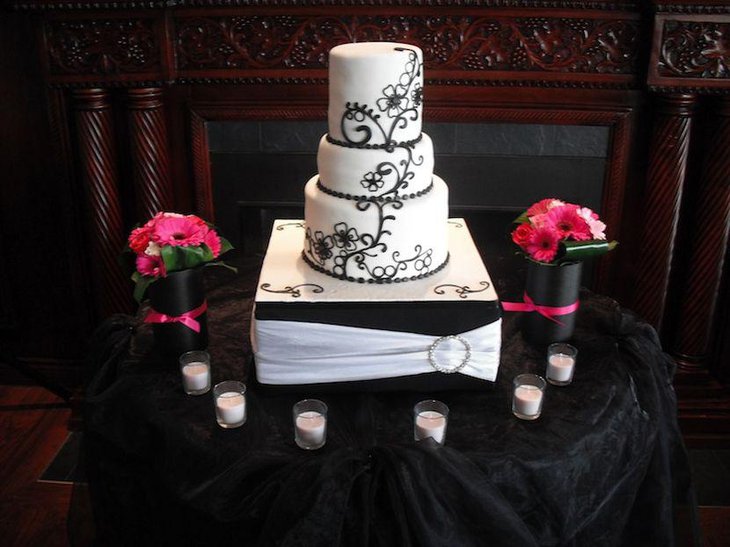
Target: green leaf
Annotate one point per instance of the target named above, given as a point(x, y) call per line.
point(223, 265)
point(141, 284)
point(521, 219)
point(183, 258)
point(225, 246)
point(571, 251)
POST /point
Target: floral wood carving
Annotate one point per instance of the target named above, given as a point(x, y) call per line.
point(695, 49)
point(102, 47)
point(539, 44)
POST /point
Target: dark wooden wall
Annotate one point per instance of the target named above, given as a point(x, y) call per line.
point(45, 301)
point(105, 106)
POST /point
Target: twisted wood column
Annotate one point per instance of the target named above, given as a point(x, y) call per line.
point(98, 171)
point(709, 239)
point(150, 152)
point(664, 188)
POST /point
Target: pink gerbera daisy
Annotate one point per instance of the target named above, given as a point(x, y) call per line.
point(598, 228)
point(213, 242)
point(521, 234)
point(569, 224)
point(178, 231)
point(543, 206)
point(543, 244)
point(151, 266)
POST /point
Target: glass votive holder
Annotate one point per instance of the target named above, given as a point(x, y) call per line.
point(561, 359)
point(230, 404)
point(195, 370)
point(310, 424)
point(527, 396)
point(430, 419)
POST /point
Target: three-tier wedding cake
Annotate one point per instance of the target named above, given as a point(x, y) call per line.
point(376, 288)
point(376, 212)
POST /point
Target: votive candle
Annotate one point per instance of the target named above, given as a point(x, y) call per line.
point(195, 371)
point(310, 424)
point(561, 360)
point(430, 419)
point(230, 404)
point(527, 397)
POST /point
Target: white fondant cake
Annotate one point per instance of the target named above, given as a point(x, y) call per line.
point(375, 213)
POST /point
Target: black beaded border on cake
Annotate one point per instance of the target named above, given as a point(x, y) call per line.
point(378, 199)
point(390, 146)
point(320, 269)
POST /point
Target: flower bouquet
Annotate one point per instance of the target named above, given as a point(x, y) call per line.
point(169, 252)
point(555, 236)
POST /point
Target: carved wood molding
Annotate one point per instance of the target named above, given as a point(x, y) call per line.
point(103, 47)
point(507, 48)
point(497, 43)
point(66, 5)
point(691, 52)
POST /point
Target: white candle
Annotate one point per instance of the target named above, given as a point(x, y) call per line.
point(231, 407)
point(527, 399)
point(311, 427)
point(196, 376)
point(430, 423)
point(560, 367)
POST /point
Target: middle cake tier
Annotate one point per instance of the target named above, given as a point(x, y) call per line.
point(376, 240)
point(402, 170)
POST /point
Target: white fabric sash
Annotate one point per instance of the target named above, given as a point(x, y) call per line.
point(291, 352)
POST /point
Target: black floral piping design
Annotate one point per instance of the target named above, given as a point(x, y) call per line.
point(353, 252)
point(378, 281)
point(294, 291)
point(462, 290)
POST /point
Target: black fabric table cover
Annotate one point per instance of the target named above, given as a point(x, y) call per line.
point(604, 464)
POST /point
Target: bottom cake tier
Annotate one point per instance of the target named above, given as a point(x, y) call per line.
point(310, 330)
point(376, 240)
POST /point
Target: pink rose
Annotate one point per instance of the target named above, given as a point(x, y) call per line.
point(521, 234)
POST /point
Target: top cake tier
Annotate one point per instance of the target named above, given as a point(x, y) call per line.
point(375, 94)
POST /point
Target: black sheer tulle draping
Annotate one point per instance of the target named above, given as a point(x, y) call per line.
point(604, 465)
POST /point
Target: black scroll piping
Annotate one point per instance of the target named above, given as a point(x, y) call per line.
point(281, 227)
point(294, 291)
point(377, 281)
point(457, 224)
point(368, 146)
point(382, 198)
point(462, 290)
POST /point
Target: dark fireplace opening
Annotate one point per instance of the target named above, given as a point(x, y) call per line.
point(494, 171)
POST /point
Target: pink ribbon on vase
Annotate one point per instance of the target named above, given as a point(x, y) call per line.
point(548, 312)
point(187, 318)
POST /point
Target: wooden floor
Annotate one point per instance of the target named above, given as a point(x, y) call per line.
point(34, 426)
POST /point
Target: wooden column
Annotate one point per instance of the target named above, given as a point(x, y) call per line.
point(98, 172)
point(665, 184)
point(150, 152)
point(709, 240)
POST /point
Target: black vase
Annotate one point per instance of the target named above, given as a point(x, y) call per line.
point(173, 295)
point(554, 286)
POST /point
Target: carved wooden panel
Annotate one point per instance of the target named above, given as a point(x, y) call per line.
point(691, 52)
point(543, 45)
point(104, 48)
